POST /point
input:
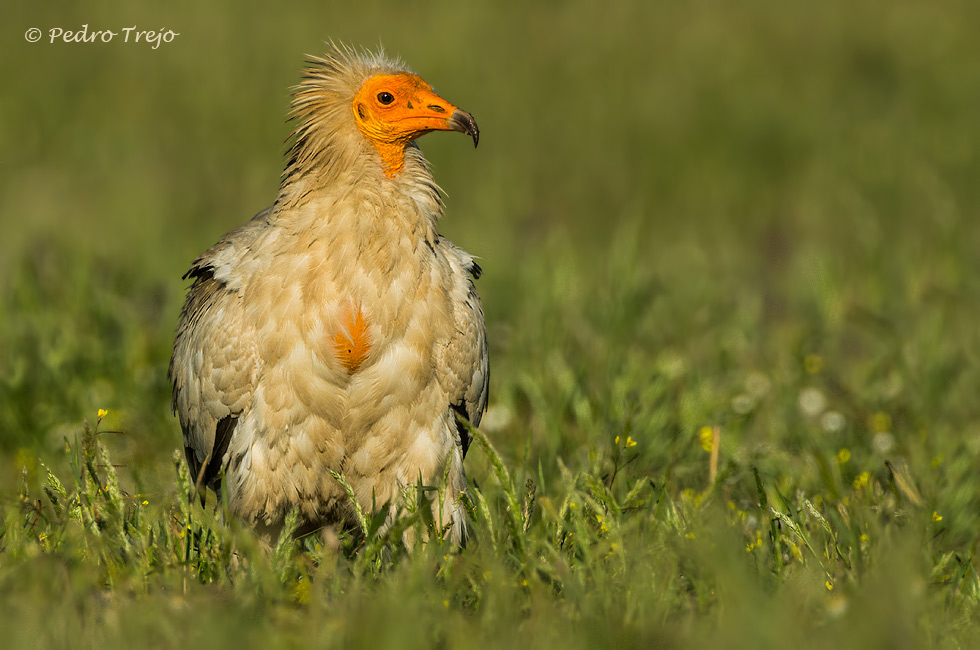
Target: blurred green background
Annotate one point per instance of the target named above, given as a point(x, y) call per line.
point(745, 215)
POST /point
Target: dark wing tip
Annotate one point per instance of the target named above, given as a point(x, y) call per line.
point(222, 438)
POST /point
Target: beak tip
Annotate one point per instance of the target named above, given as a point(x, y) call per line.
point(464, 123)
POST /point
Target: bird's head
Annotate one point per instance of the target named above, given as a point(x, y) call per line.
point(350, 94)
point(391, 110)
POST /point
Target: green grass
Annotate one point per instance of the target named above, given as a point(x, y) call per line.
point(748, 219)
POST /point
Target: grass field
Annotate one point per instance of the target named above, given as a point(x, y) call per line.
point(732, 288)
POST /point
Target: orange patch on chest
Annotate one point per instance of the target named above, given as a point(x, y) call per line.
point(352, 344)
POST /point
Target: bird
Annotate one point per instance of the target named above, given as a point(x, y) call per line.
point(337, 335)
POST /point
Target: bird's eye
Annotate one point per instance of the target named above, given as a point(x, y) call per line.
point(386, 98)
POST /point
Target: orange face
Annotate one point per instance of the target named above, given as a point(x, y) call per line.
point(392, 110)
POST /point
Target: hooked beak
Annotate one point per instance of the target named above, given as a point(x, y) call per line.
point(463, 122)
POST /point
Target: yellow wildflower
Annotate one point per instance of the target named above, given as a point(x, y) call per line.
point(862, 480)
point(707, 436)
point(602, 524)
point(797, 553)
point(829, 585)
point(936, 517)
point(616, 441)
point(103, 413)
point(630, 442)
point(812, 363)
point(880, 422)
point(843, 456)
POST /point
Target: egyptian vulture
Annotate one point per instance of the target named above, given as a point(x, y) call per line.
point(337, 330)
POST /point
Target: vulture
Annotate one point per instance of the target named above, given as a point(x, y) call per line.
point(337, 334)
